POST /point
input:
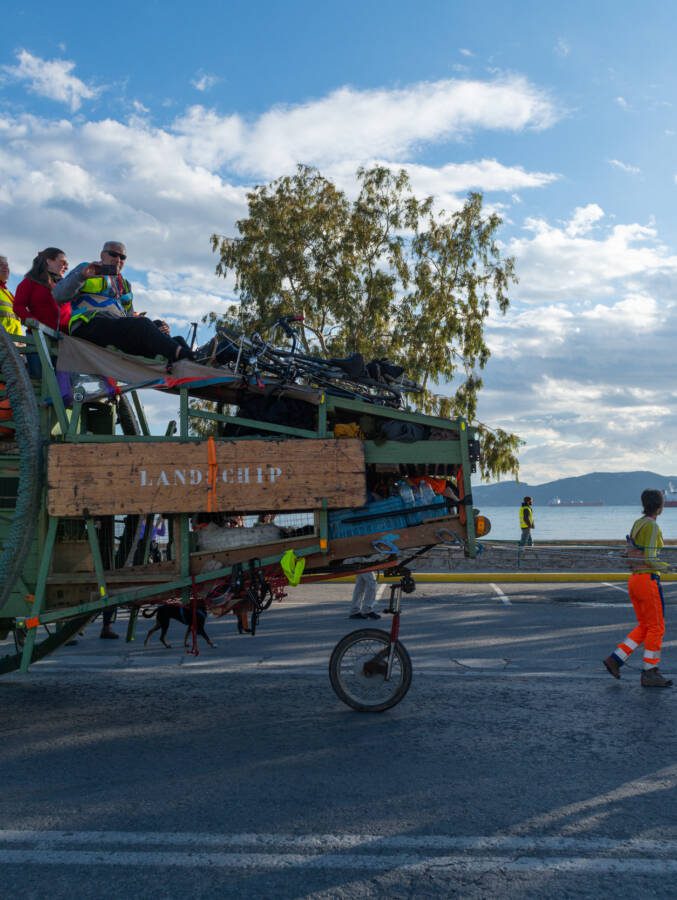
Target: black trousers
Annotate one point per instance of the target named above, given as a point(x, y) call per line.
point(131, 334)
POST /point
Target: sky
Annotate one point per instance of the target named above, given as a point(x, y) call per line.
point(148, 122)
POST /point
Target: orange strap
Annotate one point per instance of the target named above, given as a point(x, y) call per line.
point(211, 458)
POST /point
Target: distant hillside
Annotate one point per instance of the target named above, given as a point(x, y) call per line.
point(614, 488)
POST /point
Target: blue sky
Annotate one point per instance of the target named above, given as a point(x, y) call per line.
point(148, 122)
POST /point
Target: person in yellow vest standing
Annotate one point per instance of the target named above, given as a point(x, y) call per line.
point(526, 522)
point(8, 319)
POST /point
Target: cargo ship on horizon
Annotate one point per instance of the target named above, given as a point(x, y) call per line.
point(556, 501)
point(670, 495)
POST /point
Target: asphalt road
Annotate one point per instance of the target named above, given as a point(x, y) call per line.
point(514, 767)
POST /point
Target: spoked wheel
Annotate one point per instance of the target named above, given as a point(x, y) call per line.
point(358, 668)
point(51, 641)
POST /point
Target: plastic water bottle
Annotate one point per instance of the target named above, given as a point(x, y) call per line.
point(405, 492)
point(426, 495)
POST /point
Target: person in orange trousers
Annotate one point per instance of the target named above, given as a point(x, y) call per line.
point(644, 586)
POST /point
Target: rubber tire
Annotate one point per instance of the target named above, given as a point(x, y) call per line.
point(400, 687)
point(26, 419)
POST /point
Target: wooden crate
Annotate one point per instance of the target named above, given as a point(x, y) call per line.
point(179, 477)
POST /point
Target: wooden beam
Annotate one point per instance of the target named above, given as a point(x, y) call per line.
point(171, 477)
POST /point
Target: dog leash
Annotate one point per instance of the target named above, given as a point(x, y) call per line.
point(194, 650)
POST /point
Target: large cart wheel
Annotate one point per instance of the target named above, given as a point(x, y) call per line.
point(51, 642)
point(358, 667)
point(21, 469)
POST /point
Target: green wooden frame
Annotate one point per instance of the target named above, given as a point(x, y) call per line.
point(61, 424)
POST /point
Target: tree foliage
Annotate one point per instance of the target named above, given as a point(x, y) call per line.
point(384, 275)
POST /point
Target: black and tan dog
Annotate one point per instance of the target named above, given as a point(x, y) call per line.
point(183, 614)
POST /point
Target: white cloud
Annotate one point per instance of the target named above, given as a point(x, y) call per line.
point(625, 167)
point(587, 378)
point(203, 81)
point(351, 124)
point(485, 175)
point(448, 184)
point(571, 262)
point(51, 79)
point(583, 219)
point(465, 52)
point(622, 102)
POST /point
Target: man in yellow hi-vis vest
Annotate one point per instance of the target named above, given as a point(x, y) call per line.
point(526, 522)
point(9, 321)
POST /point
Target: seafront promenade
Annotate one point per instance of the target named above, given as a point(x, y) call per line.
point(556, 557)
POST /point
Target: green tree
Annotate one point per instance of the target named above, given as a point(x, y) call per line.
point(384, 275)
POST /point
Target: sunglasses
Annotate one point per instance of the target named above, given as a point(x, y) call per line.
point(116, 255)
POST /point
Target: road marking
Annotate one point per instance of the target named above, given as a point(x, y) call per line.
point(593, 604)
point(349, 841)
point(346, 851)
point(623, 590)
point(447, 669)
point(505, 600)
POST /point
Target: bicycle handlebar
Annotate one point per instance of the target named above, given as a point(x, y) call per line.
point(284, 323)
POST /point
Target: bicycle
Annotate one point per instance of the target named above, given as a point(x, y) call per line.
point(348, 377)
point(370, 669)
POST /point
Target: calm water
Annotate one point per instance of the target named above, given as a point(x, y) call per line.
point(572, 524)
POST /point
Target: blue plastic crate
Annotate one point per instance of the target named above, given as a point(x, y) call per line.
point(378, 515)
point(382, 516)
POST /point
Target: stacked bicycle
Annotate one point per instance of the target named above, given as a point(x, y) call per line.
point(379, 381)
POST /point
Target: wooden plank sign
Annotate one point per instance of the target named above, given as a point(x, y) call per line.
point(174, 477)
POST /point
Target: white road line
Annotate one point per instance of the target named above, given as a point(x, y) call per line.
point(350, 841)
point(623, 590)
point(505, 600)
point(436, 667)
point(593, 604)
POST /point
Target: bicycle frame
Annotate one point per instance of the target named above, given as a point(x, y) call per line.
point(257, 355)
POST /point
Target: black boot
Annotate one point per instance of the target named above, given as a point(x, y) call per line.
point(613, 666)
point(653, 678)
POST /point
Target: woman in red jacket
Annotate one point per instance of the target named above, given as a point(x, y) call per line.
point(33, 298)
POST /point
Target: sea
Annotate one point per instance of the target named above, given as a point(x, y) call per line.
point(571, 523)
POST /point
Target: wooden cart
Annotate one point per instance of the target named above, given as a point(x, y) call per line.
point(83, 479)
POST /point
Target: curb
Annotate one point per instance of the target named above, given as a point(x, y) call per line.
point(505, 578)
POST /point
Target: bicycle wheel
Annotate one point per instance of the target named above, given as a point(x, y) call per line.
point(334, 381)
point(357, 671)
point(361, 384)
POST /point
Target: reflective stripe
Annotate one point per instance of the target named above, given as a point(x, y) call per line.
point(101, 294)
point(621, 653)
